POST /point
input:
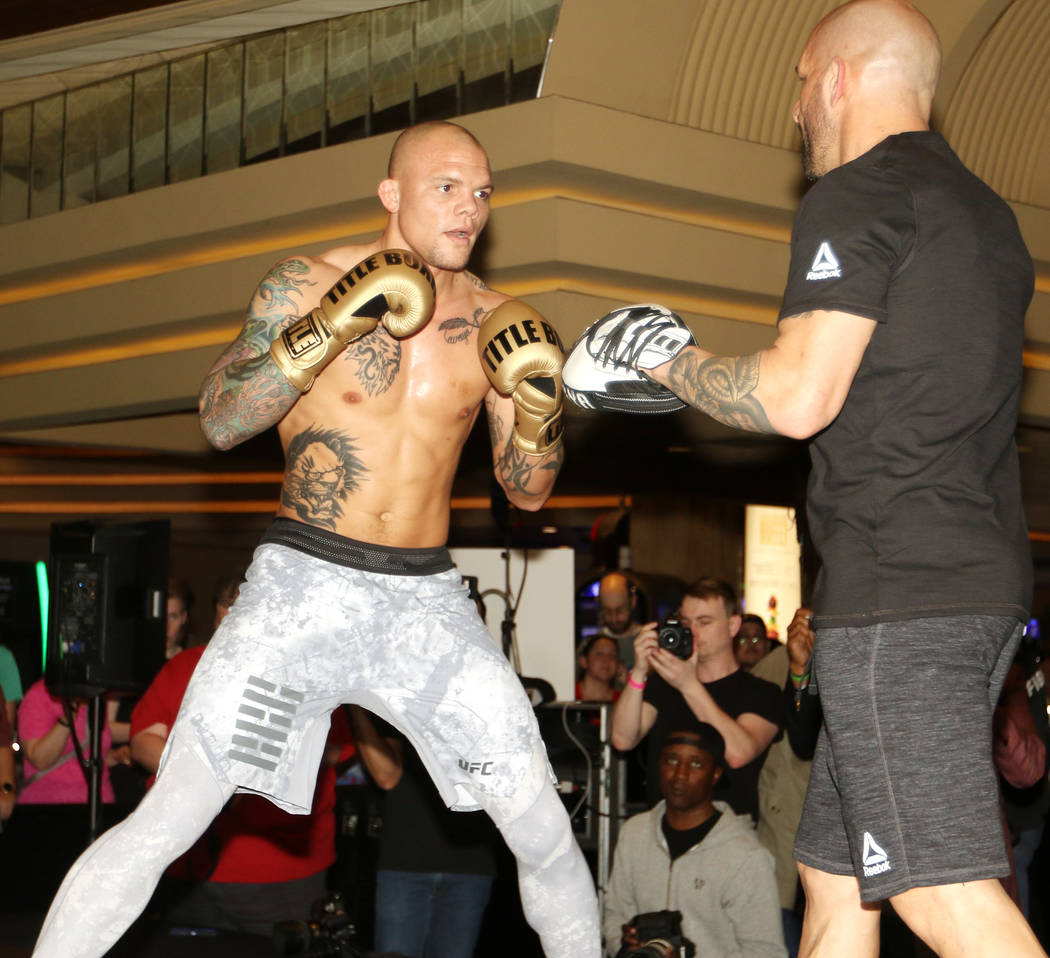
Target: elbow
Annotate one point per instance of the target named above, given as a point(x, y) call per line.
point(622, 743)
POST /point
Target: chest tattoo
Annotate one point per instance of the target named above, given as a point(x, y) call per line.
point(377, 361)
point(459, 329)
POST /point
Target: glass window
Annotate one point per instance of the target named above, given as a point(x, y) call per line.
point(304, 88)
point(392, 68)
point(46, 181)
point(186, 119)
point(114, 138)
point(348, 78)
point(14, 164)
point(486, 53)
point(438, 32)
point(149, 128)
point(263, 92)
point(222, 133)
point(81, 146)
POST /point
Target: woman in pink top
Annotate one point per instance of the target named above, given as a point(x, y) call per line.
point(52, 774)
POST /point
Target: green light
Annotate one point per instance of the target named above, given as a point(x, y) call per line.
point(42, 592)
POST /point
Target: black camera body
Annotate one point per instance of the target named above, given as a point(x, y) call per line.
point(660, 934)
point(329, 932)
point(675, 637)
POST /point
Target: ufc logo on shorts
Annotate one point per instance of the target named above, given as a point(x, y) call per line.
point(484, 768)
point(266, 712)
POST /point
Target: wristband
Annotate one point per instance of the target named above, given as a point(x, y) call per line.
point(635, 685)
point(799, 678)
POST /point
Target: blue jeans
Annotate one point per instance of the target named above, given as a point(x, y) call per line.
point(433, 914)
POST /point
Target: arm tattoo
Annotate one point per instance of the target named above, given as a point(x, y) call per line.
point(377, 356)
point(722, 387)
point(516, 470)
point(323, 470)
point(245, 392)
point(459, 329)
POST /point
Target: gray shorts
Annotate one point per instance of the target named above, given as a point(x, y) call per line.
point(903, 792)
point(307, 634)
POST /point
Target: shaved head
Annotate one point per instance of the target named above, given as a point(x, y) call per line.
point(889, 42)
point(417, 138)
point(869, 70)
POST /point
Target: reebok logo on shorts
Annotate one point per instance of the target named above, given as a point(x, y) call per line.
point(875, 859)
point(825, 264)
point(266, 712)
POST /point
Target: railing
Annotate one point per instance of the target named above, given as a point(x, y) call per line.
point(298, 89)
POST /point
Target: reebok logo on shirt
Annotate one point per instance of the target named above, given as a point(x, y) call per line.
point(825, 264)
point(875, 859)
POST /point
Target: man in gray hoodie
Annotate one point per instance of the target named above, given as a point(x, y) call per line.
point(694, 855)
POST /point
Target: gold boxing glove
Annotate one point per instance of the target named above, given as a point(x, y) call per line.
point(522, 356)
point(393, 287)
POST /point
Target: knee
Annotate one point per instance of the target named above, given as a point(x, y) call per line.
point(541, 834)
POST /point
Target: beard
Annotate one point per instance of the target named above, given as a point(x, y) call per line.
point(816, 135)
point(451, 260)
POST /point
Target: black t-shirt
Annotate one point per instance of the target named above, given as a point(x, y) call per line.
point(737, 693)
point(420, 834)
point(680, 840)
point(914, 499)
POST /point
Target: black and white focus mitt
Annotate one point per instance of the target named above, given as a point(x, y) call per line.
point(604, 368)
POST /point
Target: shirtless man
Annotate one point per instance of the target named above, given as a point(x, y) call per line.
point(352, 596)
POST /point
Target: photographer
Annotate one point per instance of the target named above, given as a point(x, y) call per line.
point(694, 855)
point(667, 690)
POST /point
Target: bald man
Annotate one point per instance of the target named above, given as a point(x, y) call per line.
point(899, 351)
point(617, 603)
point(373, 361)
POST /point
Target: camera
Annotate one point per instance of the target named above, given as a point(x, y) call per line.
point(675, 637)
point(328, 932)
point(660, 934)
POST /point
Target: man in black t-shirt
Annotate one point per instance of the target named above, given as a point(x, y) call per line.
point(664, 692)
point(899, 351)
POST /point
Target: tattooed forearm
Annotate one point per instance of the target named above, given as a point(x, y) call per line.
point(722, 387)
point(323, 469)
point(245, 392)
point(495, 423)
point(528, 475)
point(459, 329)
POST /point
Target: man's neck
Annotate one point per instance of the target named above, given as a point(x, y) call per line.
point(595, 690)
point(681, 820)
point(716, 667)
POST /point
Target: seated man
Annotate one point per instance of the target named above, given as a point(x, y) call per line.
point(694, 855)
point(665, 692)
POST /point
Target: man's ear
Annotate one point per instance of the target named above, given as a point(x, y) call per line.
point(389, 195)
point(735, 621)
point(717, 775)
point(836, 80)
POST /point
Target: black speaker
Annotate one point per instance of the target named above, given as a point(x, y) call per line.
point(108, 603)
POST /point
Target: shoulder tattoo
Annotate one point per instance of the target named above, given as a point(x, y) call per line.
point(324, 467)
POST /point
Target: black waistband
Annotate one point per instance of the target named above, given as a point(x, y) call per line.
point(389, 560)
